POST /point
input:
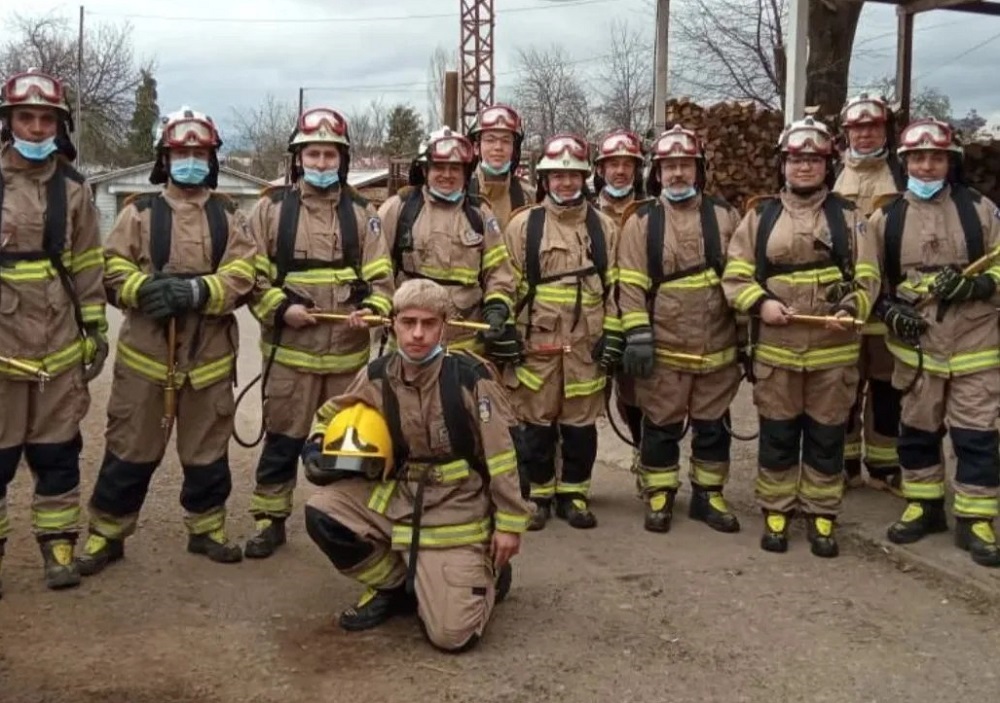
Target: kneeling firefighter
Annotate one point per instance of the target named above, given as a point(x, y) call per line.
point(942, 242)
point(320, 247)
point(177, 264)
point(803, 252)
point(680, 332)
point(419, 496)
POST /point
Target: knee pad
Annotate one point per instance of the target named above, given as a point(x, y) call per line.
point(919, 449)
point(711, 440)
point(885, 407)
point(823, 446)
point(56, 466)
point(660, 445)
point(536, 455)
point(9, 459)
point(978, 458)
point(206, 487)
point(121, 485)
point(632, 414)
point(342, 547)
point(579, 444)
point(779, 444)
point(279, 460)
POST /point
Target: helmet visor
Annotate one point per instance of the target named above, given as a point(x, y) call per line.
point(557, 146)
point(808, 141)
point(929, 135)
point(371, 467)
point(22, 86)
point(676, 144)
point(864, 111)
point(499, 117)
point(450, 150)
point(192, 132)
point(621, 144)
point(319, 118)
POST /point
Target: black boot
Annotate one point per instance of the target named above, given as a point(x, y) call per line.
point(775, 537)
point(708, 506)
point(215, 546)
point(375, 607)
point(61, 570)
point(977, 537)
point(270, 535)
point(659, 511)
point(574, 510)
point(98, 552)
point(541, 515)
point(822, 541)
point(921, 518)
point(505, 577)
point(886, 479)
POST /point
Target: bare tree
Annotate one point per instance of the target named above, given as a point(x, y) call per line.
point(549, 93)
point(625, 86)
point(732, 49)
point(262, 133)
point(368, 131)
point(436, 70)
point(110, 76)
point(832, 26)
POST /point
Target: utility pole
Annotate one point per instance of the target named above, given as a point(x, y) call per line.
point(660, 59)
point(302, 99)
point(450, 97)
point(79, 93)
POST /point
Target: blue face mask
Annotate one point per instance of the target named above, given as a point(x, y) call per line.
point(490, 171)
point(426, 360)
point(449, 198)
point(189, 171)
point(925, 190)
point(321, 179)
point(36, 151)
point(617, 192)
point(679, 197)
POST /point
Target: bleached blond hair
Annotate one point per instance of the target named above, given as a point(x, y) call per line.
point(422, 294)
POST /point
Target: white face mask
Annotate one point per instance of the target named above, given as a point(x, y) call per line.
point(562, 201)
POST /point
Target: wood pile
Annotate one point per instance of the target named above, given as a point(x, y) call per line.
point(982, 168)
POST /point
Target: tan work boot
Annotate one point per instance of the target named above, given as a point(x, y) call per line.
point(60, 568)
point(98, 552)
point(215, 546)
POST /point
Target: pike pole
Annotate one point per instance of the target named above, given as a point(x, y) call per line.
point(170, 389)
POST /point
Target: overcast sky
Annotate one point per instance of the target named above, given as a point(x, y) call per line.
point(208, 58)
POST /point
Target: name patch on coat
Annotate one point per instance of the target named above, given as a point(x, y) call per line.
point(485, 410)
point(375, 226)
point(471, 238)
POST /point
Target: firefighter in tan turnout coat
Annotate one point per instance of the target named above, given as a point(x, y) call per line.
point(680, 332)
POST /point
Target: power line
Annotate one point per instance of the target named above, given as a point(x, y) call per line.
point(338, 20)
point(965, 53)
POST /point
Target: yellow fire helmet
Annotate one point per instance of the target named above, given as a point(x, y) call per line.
point(357, 443)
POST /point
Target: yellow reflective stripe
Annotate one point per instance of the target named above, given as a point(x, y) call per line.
point(201, 376)
point(769, 488)
point(94, 314)
point(509, 522)
point(583, 487)
point(852, 450)
point(529, 379)
point(380, 496)
point(4, 524)
point(216, 295)
point(810, 490)
point(583, 388)
point(118, 265)
point(379, 303)
point(28, 271)
point(702, 279)
point(612, 276)
point(443, 535)
point(635, 278)
point(142, 364)
point(809, 359)
point(469, 344)
point(318, 277)
point(377, 268)
point(108, 529)
point(209, 522)
point(212, 372)
point(262, 264)
point(920, 286)
point(874, 329)
point(502, 463)
point(452, 471)
point(813, 277)
point(659, 479)
point(468, 277)
point(378, 573)
point(864, 304)
point(543, 490)
point(862, 271)
point(993, 272)
point(923, 491)
point(976, 506)
point(709, 362)
point(502, 297)
point(495, 256)
point(739, 267)
point(239, 268)
point(959, 364)
point(881, 456)
point(128, 295)
point(65, 519)
point(91, 258)
point(318, 363)
point(612, 324)
point(708, 476)
point(268, 303)
point(563, 294)
point(276, 504)
point(631, 320)
point(748, 296)
point(53, 364)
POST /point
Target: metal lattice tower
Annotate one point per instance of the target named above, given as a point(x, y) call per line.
point(478, 79)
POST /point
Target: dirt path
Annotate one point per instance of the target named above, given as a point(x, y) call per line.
point(612, 614)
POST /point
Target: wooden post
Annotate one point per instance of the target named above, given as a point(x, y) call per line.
point(795, 60)
point(661, 59)
point(79, 94)
point(450, 97)
point(904, 62)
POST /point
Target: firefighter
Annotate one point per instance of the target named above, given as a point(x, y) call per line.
point(435, 230)
point(871, 172)
point(320, 248)
point(497, 136)
point(618, 184)
point(564, 255)
point(53, 334)
point(180, 259)
point(943, 334)
point(680, 332)
point(421, 493)
point(790, 255)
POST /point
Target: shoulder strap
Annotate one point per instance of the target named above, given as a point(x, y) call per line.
point(458, 372)
point(473, 188)
point(218, 228)
point(710, 234)
point(288, 226)
point(833, 208)
point(413, 203)
point(533, 248)
point(473, 214)
point(390, 411)
point(349, 241)
point(517, 196)
point(54, 236)
point(895, 219)
point(965, 201)
point(655, 223)
point(769, 211)
point(598, 244)
point(898, 174)
point(160, 232)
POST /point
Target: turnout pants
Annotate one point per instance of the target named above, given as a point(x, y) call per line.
point(667, 400)
point(454, 586)
point(42, 424)
point(136, 444)
point(292, 398)
point(803, 417)
point(548, 417)
point(874, 417)
point(969, 404)
point(627, 405)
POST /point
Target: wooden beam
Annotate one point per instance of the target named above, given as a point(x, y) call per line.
point(978, 8)
point(450, 96)
point(796, 54)
point(904, 61)
point(915, 6)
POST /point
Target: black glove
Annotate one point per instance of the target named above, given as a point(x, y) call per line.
point(92, 368)
point(609, 349)
point(745, 361)
point(640, 354)
point(311, 452)
point(951, 286)
point(185, 294)
point(838, 290)
point(152, 297)
point(507, 348)
point(902, 319)
point(495, 314)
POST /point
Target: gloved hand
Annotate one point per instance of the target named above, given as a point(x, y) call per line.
point(94, 362)
point(902, 319)
point(507, 348)
point(838, 290)
point(951, 286)
point(640, 354)
point(185, 294)
point(495, 314)
point(311, 452)
point(609, 349)
point(152, 298)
